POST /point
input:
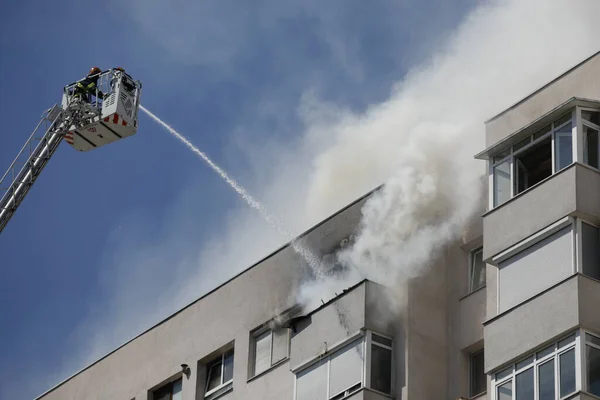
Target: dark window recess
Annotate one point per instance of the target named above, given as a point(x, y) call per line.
point(381, 369)
point(593, 370)
point(533, 165)
point(170, 391)
point(477, 379)
point(591, 250)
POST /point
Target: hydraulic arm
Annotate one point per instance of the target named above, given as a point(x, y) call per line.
point(30, 161)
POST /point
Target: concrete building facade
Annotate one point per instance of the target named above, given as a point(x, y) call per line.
point(511, 310)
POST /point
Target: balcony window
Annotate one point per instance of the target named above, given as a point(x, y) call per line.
point(219, 378)
point(476, 270)
point(590, 246)
point(592, 359)
point(268, 347)
point(541, 375)
point(591, 126)
point(533, 159)
point(364, 362)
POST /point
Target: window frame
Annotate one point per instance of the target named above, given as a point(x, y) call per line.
point(209, 367)
point(511, 153)
point(253, 336)
point(366, 340)
point(537, 362)
point(471, 355)
point(584, 366)
point(470, 276)
point(596, 127)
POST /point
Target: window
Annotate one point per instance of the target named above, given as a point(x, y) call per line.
point(533, 159)
point(477, 376)
point(381, 364)
point(219, 375)
point(592, 360)
point(590, 246)
point(344, 371)
point(476, 270)
point(535, 268)
point(541, 375)
point(268, 348)
point(170, 391)
point(591, 127)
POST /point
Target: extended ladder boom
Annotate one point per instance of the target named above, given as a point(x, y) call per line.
point(31, 160)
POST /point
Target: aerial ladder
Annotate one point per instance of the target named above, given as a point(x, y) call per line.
point(85, 122)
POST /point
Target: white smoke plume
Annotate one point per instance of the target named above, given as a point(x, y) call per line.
point(422, 141)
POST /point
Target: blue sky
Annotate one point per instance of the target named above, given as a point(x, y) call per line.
point(109, 236)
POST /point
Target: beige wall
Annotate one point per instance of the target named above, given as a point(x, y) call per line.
point(581, 81)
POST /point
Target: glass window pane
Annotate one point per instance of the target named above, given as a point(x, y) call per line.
point(590, 136)
point(567, 372)
point(381, 369)
point(501, 183)
point(563, 147)
point(504, 373)
point(380, 339)
point(262, 352)
point(593, 369)
point(501, 156)
point(228, 367)
point(525, 385)
point(478, 377)
point(214, 376)
point(592, 339)
point(177, 390)
point(546, 380)
point(543, 353)
point(477, 271)
point(311, 383)
point(562, 120)
point(524, 363)
point(281, 340)
point(566, 341)
point(590, 238)
point(522, 143)
point(542, 132)
point(504, 392)
point(592, 116)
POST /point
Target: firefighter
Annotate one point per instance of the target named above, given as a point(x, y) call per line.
point(87, 87)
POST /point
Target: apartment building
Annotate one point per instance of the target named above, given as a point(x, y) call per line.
point(509, 311)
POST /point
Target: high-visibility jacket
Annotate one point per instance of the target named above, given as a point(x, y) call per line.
point(87, 86)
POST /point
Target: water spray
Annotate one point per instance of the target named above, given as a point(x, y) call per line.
point(299, 247)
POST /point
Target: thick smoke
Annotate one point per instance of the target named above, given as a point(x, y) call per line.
point(422, 141)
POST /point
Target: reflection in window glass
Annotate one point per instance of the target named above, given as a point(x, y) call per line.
point(563, 147)
point(567, 372)
point(546, 380)
point(593, 369)
point(591, 146)
point(524, 385)
point(501, 183)
point(228, 367)
point(505, 391)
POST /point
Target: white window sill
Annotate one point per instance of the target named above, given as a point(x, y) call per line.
point(266, 371)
